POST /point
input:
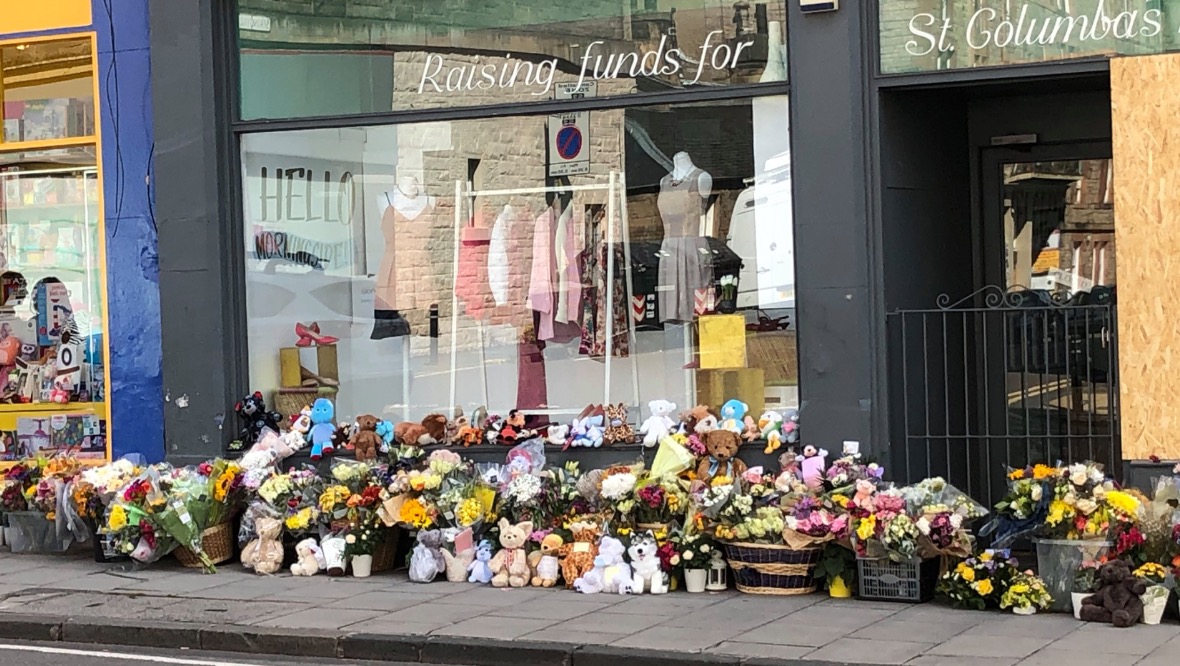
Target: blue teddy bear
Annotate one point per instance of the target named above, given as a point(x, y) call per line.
point(322, 413)
point(732, 414)
point(481, 571)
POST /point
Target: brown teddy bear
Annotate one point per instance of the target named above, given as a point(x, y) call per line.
point(699, 420)
point(366, 441)
point(1116, 597)
point(431, 430)
point(436, 427)
point(722, 447)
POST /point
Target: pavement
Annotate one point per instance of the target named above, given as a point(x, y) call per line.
point(387, 618)
point(69, 654)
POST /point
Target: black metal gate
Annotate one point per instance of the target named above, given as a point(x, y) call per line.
point(1003, 378)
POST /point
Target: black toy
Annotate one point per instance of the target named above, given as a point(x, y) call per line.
point(252, 410)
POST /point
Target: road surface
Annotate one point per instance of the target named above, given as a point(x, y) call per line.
point(14, 653)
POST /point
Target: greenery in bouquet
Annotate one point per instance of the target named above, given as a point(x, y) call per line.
point(659, 501)
point(362, 538)
point(845, 471)
point(1025, 591)
point(980, 582)
point(1086, 577)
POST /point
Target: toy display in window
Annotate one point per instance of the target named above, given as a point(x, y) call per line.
point(41, 359)
point(686, 269)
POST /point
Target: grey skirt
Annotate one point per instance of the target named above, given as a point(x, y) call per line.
point(686, 266)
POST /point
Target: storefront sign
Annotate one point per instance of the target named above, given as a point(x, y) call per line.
point(21, 16)
point(569, 133)
point(985, 33)
point(596, 63)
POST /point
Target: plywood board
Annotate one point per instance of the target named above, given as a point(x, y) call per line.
point(1144, 100)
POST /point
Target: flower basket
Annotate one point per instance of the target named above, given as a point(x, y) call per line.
point(1057, 564)
point(216, 541)
point(882, 579)
point(32, 532)
point(384, 557)
point(772, 569)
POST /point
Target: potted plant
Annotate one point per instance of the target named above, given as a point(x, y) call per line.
point(359, 545)
point(1155, 599)
point(696, 554)
point(1026, 594)
point(837, 568)
point(1083, 585)
point(727, 304)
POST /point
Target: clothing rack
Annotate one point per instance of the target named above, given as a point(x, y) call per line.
point(616, 189)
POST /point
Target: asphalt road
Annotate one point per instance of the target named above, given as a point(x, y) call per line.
point(65, 654)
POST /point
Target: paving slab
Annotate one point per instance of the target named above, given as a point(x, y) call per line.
point(978, 645)
point(382, 601)
point(928, 660)
point(558, 633)
point(922, 631)
point(494, 627)
point(606, 622)
point(869, 651)
point(554, 609)
point(1056, 657)
point(784, 632)
point(761, 650)
point(677, 639)
point(317, 618)
point(1139, 640)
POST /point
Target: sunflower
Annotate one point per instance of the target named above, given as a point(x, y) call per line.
point(222, 485)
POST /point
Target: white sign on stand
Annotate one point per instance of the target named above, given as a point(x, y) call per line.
point(569, 133)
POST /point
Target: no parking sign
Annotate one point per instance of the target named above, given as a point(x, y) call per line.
point(569, 133)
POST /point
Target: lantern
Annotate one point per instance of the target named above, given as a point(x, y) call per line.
point(717, 581)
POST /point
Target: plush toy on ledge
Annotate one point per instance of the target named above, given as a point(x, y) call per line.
point(732, 414)
point(366, 442)
point(252, 410)
point(322, 430)
point(660, 424)
point(722, 447)
point(618, 429)
point(771, 424)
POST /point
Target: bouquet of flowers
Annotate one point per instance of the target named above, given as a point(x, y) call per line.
point(979, 582)
point(1025, 594)
point(690, 550)
point(935, 495)
point(809, 522)
point(659, 501)
point(847, 470)
point(362, 539)
point(1026, 505)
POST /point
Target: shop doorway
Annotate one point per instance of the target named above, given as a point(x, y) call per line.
point(1021, 368)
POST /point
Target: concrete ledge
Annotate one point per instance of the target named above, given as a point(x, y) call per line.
point(607, 655)
point(265, 640)
point(109, 631)
point(382, 647)
point(19, 626)
point(490, 652)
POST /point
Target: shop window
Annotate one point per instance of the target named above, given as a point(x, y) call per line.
point(305, 58)
point(540, 263)
point(47, 90)
point(52, 359)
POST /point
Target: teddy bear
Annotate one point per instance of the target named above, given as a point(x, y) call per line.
point(771, 424)
point(659, 425)
point(436, 428)
point(510, 566)
point(863, 498)
point(587, 431)
point(252, 409)
point(385, 432)
point(699, 420)
point(1116, 596)
point(366, 441)
point(577, 557)
point(611, 573)
point(265, 553)
point(427, 560)
point(732, 414)
point(618, 430)
point(544, 563)
point(722, 448)
point(457, 564)
point(558, 435)
point(479, 568)
point(322, 430)
point(309, 559)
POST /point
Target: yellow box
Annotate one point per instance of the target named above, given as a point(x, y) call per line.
point(25, 16)
point(715, 387)
point(722, 341)
point(289, 367)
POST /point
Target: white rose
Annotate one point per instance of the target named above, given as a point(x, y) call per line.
point(351, 538)
point(688, 554)
point(1037, 493)
point(705, 548)
point(924, 526)
point(1096, 475)
point(956, 521)
point(1078, 475)
point(1087, 506)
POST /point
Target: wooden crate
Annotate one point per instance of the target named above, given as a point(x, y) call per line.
point(715, 387)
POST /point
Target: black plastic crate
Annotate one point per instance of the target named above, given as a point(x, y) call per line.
point(885, 580)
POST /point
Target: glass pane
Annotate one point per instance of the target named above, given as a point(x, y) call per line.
point(47, 90)
point(51, 314)
point(534, 263)
point(923, 35)
point(322, 57)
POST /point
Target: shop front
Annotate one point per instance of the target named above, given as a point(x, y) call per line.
point(1020, 187)
point(520, 210)
point(79, 345)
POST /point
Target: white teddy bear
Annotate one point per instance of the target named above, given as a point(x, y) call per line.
point(611, 573)
point(311, 559)
point(660, 424)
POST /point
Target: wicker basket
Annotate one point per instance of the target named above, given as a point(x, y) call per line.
point(772, 569)
point(384, 557)
point(217, 542)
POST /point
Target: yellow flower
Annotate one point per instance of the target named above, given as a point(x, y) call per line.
point(967, 573)
point(221, 488)
point(839, 500)
point(721, 480)
point(414, 513)
point(300, 520)
point(1058, 512)
point(1016, 474)
point(1019, 588)
point(1043, 472)
point(866, 528)
point(1123, 502)
point(983, 587)
point(118, 518)
point(985, 557)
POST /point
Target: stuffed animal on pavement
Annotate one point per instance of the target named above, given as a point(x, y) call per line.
point(722, 449)
point(427, 560)
point(510, 566)
point(1116, 596)
point(577, 558)
point(732, 414)
point(618, 429)
point(265, 554)
point(544, 563)
point(479, 569)
point(660, 424)
point(611, 573)
point(646, 571)
point(366, 441)
point(310, 559)
point(457, 565)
